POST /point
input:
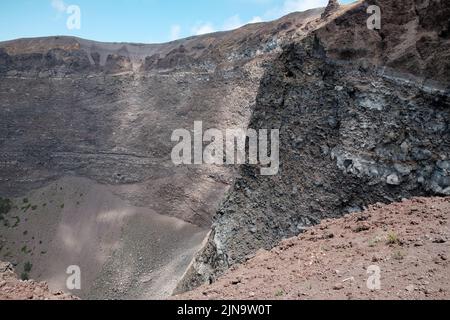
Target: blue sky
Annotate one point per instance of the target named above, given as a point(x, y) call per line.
point(145, 21)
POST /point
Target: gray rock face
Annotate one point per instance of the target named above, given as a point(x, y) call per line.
point(107, 111)
point(72, 108)
point(333, 6)
point(6, 267)
point(352, 132)
point(350, 136)
point(393, 180)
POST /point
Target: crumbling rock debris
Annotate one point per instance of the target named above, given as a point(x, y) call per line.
point(353, 132)
point(363, 118)
point(90, 115)
point(332, 7)
point(339, 268)
point(13, 289)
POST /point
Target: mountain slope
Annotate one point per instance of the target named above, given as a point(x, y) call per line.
point(85, 140)
point(13, 289)
point(356, 128)
point(409, 242)
point(85, 144)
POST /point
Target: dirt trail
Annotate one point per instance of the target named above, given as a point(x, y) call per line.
point(409, 242)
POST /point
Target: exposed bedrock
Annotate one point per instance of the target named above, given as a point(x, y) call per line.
point(352, 133)
point(106, 111)
point(363, 118)
point(85, 151)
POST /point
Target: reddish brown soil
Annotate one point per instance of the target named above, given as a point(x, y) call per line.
point(13, 289)
point(408, 241)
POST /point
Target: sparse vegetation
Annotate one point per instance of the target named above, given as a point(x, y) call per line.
point(279, 293)
point(361, 228)
point(16, 223)
point(28, 267)
point(398, 255)
point(24, 276)
point(392, 239)
point(5, 207)
point(25, 250)
point(373, 242)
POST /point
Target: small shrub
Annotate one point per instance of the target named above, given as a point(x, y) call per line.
point(27, 267)
point(5, 207)
point(25, 250)
point(16, 224)
point(398, 255)
point(279, 293)
point(392, 239)
point(24, 276)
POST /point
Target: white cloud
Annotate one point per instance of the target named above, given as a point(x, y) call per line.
point(175, 32)
point(256, 19)
point(59, 6)
point(203, 28)
point(231, 23)
point(235, 22)
point(302, 5)
point(294, 6)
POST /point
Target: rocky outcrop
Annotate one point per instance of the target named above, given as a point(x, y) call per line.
point(85, 140)
point(353, 133)
point(13, 289)
point(334, 260)
point(332, 7)
point(413, 38)
point(363, 118)
point(107, 111)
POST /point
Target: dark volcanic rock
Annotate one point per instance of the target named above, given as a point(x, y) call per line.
point(363, 118)
point(352, 134)
point(106, 111)
point(332, 7)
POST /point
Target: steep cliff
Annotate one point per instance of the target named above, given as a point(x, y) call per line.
point(85, 141)
point(363, 118)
